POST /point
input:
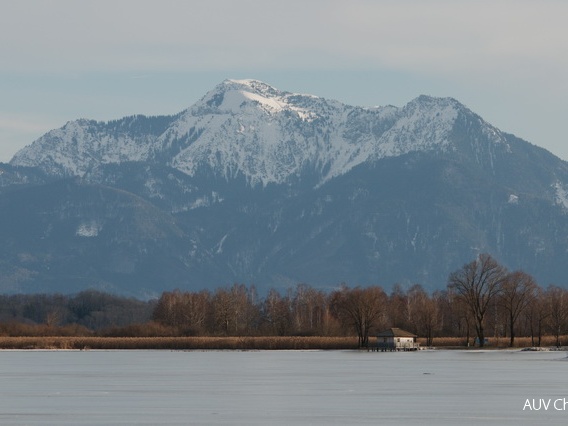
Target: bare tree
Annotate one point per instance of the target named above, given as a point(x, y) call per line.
point(361, 307)
point(537, 315)
point(452, 314)
point(167, 310)
point(276, 313)
point(196, 310)
point(309, 307)
point(424, 312)
point(239, 308)
point(185, 311)
point(222, 310)
point(233, 309)
point(478, 283)
point(518, 291)
point(464, 317)
point(414, 300)
point(397, 307)
point(557, 301)
point(53, 317)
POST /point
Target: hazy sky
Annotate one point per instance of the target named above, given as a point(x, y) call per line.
point(61, 60)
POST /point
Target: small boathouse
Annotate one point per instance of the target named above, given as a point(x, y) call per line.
point(396, 339)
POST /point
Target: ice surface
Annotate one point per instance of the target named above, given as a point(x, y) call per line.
point(279, 387)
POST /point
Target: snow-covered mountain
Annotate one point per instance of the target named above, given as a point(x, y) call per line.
point(257, 185)
point(248, 128)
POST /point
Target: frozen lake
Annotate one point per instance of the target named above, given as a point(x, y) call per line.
point(281, 387)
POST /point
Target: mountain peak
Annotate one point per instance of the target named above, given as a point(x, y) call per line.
point(250, 128)
point(233, 95)
point(253, 85)
point(435, 104)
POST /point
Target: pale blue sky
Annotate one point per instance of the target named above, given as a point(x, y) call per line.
point(65, 59)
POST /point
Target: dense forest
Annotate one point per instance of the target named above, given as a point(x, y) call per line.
point(481, 300)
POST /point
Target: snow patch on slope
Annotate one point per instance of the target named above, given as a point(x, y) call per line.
point(88, 229)
point(561, 195)
point(513, 199)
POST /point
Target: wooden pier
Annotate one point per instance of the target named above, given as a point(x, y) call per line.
point(390, 347)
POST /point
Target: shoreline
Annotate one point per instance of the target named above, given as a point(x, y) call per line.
point(217, 343)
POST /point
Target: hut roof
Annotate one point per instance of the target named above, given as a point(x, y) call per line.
point(395, 332)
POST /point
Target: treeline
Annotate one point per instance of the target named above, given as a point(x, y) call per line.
point(482, 299)
point(80, 314)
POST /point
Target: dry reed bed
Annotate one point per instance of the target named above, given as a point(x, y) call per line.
point(493, 342)
point(232, 343)
point(179, 343)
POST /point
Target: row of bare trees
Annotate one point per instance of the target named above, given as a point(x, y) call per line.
point(481, 299)
point(488, 295)
point(93, 310)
